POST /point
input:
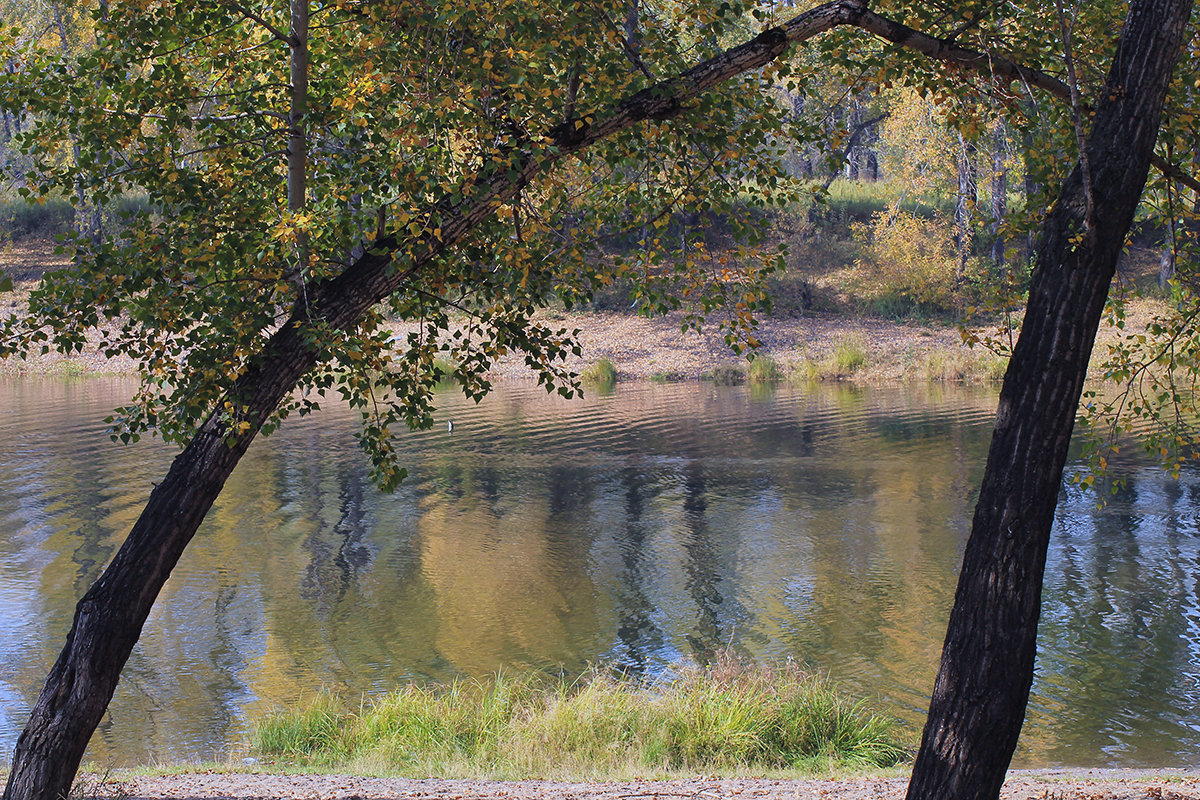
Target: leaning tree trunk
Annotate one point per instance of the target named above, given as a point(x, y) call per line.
point(109, 618)
point(986, 671)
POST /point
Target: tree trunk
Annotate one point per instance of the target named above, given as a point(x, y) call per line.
point(979, 698)
point(967, 198)
point(109, 618)
point(999, 190)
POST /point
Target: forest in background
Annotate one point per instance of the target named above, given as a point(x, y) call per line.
point(911, 204)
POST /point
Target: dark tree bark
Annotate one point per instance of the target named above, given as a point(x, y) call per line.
point(109, 618)
point(986, 671)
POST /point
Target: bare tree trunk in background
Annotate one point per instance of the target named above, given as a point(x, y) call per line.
point(1166, 260)
point(297, 147)
point(983, 683)
point(1030, 187)
point(966, 200)
point(999, 191)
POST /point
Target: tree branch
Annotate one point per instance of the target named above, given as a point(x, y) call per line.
point(271, 29)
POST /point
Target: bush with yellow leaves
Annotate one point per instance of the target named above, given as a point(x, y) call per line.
point(909, 264)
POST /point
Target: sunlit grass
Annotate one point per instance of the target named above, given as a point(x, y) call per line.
point(763, 369)
point(730, 717)
point(601, 372)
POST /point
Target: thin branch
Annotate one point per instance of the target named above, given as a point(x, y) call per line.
point(1077, 115)
point(250, 15)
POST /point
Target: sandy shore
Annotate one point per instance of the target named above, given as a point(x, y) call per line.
point(1059, 784)
point(642, 348)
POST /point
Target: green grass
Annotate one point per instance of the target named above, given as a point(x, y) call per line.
point(726, 718)
point(857, 200)
point(599, 373)
point(763, 369)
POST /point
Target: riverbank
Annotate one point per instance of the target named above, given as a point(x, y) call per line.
point(1045, 784)
point(812, 346)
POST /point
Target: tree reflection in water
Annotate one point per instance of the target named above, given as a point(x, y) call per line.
point(633, 531)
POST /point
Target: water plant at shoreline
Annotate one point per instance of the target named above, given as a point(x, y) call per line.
point(725, 717)
point(763, 369)
point(601, 372)
point(725, 375)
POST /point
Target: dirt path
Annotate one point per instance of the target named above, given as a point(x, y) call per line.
point(1071, 784)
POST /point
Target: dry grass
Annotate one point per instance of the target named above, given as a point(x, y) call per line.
point(729, 716)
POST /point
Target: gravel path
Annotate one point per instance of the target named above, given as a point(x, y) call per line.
point(1021, 785)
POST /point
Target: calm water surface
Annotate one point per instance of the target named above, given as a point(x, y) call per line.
point(638, 529)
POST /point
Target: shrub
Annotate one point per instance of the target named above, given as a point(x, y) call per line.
point(726, 375)
point(19, 219)
point(909, 264)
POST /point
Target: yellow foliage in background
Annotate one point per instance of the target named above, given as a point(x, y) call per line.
point(909, 262)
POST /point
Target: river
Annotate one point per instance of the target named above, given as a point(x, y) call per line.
point(636, 529)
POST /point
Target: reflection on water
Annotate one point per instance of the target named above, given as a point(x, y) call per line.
point(654, 525)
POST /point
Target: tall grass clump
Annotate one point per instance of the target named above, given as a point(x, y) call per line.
point(601, 372)
point(848, 357)
point(763, 369)
point(314, 726)
point(724, 718)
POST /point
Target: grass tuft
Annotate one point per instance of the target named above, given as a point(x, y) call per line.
point(728, 716)
point(849, 356)
point(600, 373)
point(964, 366)
point(763, 369)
